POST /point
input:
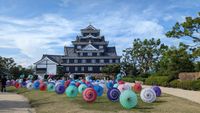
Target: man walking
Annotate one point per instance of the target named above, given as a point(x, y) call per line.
point(3, 84)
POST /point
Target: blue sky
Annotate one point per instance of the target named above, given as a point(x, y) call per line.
point(30, 28)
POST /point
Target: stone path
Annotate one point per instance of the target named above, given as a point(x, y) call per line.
point(14, 103)
point(186, 94)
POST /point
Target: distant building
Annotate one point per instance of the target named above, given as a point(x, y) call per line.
point(90, 52)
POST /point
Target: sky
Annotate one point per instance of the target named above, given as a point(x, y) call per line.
point(31, 28)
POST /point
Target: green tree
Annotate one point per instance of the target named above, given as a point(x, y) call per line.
point(176, 60)
point(189, 28)
point(146, 54)
point(5, 65)
point(111, 69)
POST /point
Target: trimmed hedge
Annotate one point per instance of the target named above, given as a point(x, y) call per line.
point(157, 80)
point(133, 79)
point(186, 84)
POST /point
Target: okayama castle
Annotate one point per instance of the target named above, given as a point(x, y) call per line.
point(90, 52)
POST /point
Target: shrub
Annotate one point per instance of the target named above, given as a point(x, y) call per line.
point(133, 79)
point(196, 85)
point(186, 84)
point(174, 83)
point(128, 79)
point(157, 80)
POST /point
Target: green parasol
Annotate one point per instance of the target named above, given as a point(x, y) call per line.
point(128, 99)
point(71, 91)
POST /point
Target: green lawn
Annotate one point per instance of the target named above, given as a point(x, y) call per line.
point(50, 102)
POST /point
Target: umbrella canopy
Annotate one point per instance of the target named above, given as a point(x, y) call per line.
point(43, 87)
point(109, 85)
point(89, 95)
point(148, 95)
point(128, 99)
point(29, 86)
point(157, 90)
point(51, 87)
point(113, 94)
point(71, 91)
point(81, 88)
point(99, 90)
point(17, 85)
point(137, 87)
point(36, 84)
point(123, 87)
point(60, 89)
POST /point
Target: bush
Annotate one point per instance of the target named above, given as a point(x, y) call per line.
point(196, 85)
point(174, 83)
point(157, 80)
point(186, 84)
point(133, 79)
point(128, 79)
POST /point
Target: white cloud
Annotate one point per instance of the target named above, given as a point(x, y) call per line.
point(32, 36)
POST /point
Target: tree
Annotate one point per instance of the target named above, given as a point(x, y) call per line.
point(18, 70)
point(5, 65)
point(128, 64)
point(146, 54)
point(176, 60)
point(111, 69)
point(189, 28)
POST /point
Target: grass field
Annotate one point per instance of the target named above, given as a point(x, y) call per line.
point(50, 102)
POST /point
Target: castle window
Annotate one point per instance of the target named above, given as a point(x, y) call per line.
point(94, 54)
point(89, 54)
point(76, 68)
point(75, 61)
point(67, 68)
point(84, 54)
point(100, 47)
point(83, 61)
point(110, 61)
point(93, 61)
point(81, 54)
point(82, 68)
point(71, 60)
point(100, 68)
point(78, 47)
point(88, 60)
point(101, 61)
point(90, 68)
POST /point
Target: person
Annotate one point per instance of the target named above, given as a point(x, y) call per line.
point(3, 84)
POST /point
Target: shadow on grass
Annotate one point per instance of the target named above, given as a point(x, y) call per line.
point(160, 101)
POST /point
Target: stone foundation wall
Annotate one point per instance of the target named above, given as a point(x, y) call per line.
point(189, 76)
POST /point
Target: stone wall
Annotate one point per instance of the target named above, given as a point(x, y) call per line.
point(189, 75)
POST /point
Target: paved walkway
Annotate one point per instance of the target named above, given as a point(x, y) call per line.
point(186, 94)
point(14, 103)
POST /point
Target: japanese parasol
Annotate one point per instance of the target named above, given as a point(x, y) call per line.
point(36, 84)
point(123, 87)
point(17, 85)
point(89, 95)
point(113, 94)
point(60, 89)
point(29, 85)
point(67, 83)
point(109, 85)
point(128, 99)
point(43, 87)
point(51, 87)
point(157, 90)
point(148, 95)
point(71, 91)
point(99, 90)
point(81, 88)
point(137, 87)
